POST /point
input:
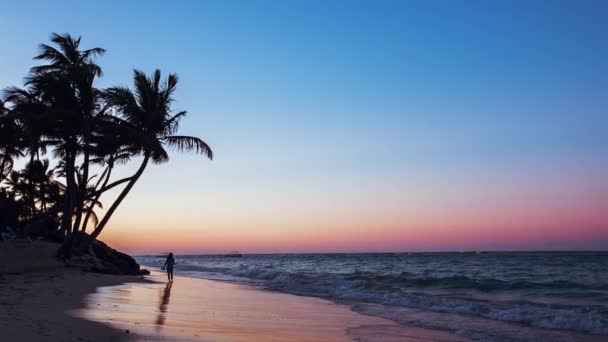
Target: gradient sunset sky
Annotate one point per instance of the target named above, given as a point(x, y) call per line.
point(357, 125)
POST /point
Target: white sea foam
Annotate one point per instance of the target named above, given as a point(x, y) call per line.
point(436, 292)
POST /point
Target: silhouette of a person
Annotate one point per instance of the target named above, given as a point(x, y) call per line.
point(169, 265)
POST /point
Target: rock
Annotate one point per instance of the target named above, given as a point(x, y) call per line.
point(144, 271)
point(99, 257)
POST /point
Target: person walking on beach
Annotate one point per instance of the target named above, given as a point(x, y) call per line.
point(169, 265)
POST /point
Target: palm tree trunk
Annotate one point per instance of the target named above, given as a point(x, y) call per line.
point(114, 184)
point(97, 196)
point(121, 197)
point(82, 192)
point(68, 208)
point(89, 208)
point(42, 192)
point(103, 176)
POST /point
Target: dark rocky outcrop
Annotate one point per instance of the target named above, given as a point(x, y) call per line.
point(96, 256)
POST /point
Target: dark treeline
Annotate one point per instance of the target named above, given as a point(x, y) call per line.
point(71, 135)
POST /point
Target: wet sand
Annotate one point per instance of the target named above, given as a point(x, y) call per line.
point(42, 300)
point(193, 309)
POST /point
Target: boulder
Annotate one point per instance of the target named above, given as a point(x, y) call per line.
point(96, 256)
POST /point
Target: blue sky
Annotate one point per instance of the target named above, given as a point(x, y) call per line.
point(339, 106)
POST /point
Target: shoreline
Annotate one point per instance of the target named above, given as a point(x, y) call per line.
point(473, 306)
point(43, 300)
point(195, 309)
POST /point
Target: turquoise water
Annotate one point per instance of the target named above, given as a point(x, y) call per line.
point(485, 296)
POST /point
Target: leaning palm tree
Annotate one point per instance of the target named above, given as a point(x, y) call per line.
point(146, 112)
point(111, 144)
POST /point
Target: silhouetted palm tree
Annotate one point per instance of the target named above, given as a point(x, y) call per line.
point(147, 112)
point(111, 144)
point(11, 142)
point(67, 82)
point(67, 59)
point(27, 117)
point(86, 129)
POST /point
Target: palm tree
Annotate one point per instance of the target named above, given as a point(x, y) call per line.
point(59, 108)
point(36, 174)
point(32, 187)
point(17, 189)
point(111, 144)
point(28, 115)
point(67, 58)
point(146, 112)
point(10, 142)
point(49, 189)
point(67, 81)
point(89, 200)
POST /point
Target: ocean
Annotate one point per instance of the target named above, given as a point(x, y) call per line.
point(489, 296)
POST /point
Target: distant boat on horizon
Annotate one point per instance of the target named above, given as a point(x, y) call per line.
point(233, 254)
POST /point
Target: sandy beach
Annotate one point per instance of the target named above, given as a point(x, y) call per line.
point(331, 171)
point(193, 309)
point(43, 300)
point(37, 291)
point(34, 306)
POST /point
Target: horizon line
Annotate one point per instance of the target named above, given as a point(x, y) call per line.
point(419, 252)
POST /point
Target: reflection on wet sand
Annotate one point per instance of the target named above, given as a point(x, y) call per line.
point(203, 310)
point(165, 295)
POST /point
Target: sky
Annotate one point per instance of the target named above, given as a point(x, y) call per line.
point(356, 126)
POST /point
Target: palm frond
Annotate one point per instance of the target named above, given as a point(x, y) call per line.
point(6, 170)
point(186, 143)
point(94, 218)
point(123, 99)
point(157, 153)
point(169, 88)
point(172, 124)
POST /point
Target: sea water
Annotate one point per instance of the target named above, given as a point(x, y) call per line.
point(559, 296)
